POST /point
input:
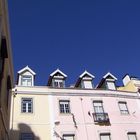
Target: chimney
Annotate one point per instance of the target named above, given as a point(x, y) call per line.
point(126, 79)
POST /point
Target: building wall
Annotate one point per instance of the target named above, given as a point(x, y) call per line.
point(87, 129)
point(6, 72)
point(37, 122)
point(48, 123)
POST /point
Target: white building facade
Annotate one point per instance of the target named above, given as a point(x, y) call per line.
point(55, 112)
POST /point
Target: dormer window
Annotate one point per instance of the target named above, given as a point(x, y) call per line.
point(110, 85)
point(58, 83)
point(57, 79)
point(26, 77)
point(85, 80)
point(26, 80)
point(108, 82)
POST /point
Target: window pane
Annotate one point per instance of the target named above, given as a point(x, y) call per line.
point(98, 107)
point(27, 136)
point(68, 137)
point(131, 136)
point(105, 137)
point(123, 107)
point(26, 80)
point(27, 105)
point(64, 106)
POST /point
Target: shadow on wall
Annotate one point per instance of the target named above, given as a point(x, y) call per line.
point(23, 132)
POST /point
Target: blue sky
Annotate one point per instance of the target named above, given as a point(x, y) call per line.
point(74, 35)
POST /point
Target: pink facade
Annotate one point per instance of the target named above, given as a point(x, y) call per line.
point(80, 122)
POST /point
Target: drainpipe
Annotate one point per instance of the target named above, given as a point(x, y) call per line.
point(84, 118)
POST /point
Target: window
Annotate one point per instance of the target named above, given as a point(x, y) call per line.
point(123, 108)
point(8, 89)
point(58, 83)
point(131, 136)
point(27, 136)
point(3, 55)
point(26, 80)
point(100, 116)
point(105, 136)
point(64, 106)
point(68, 137)
point(27, 105)
point(98, 106)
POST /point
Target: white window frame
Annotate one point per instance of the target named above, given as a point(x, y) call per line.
point(123, 111)
point(25, 136)
point(105, 134)
point(132, 133)
point(27, 105)
point(97, 108)
point(58, 83)
point(64, 106)
point(26, 80)
point(71, 136)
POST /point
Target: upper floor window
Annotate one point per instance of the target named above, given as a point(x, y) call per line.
point(27, 105)
point(68, 137)
point(8, 89)
point(26, 80)
point(98, 106)
point(3, 55)
point(123, 108)
point(58, 83)
point(131, 136)
point(27, 136)
point(105, 136)
point(64, 106)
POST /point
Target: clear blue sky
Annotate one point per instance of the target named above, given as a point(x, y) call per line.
point(74, 35)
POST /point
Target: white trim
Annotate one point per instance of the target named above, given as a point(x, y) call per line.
point(59, 71)
point(109, 74)
point(51, 114)
point(26, 68)
point(86, 72)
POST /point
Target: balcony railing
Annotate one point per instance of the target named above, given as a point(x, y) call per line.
point(101, 117)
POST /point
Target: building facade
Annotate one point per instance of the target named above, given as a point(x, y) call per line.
point(56, 112)
point(6, 71)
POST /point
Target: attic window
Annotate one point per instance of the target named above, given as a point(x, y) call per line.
point(58, 83)
point(111, 85)
point(26, 80)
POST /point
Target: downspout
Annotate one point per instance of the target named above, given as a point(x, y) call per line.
point(84, 119)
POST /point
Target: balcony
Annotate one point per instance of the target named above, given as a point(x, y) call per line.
point(101, 117)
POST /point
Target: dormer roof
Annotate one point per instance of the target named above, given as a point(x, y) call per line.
point(84, 74)
point(56, 74)
point(106, 77)
point(109, 76)
point(26, 69)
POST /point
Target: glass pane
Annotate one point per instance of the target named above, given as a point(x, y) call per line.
point(132, 136)
point(105, 137)
point(68, 137)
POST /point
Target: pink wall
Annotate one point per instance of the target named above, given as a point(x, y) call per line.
point(86, 127)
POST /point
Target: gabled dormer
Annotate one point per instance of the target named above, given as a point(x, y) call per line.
point(108, 82)
point(26, 77)
point(85, 80)
point(57, 79)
